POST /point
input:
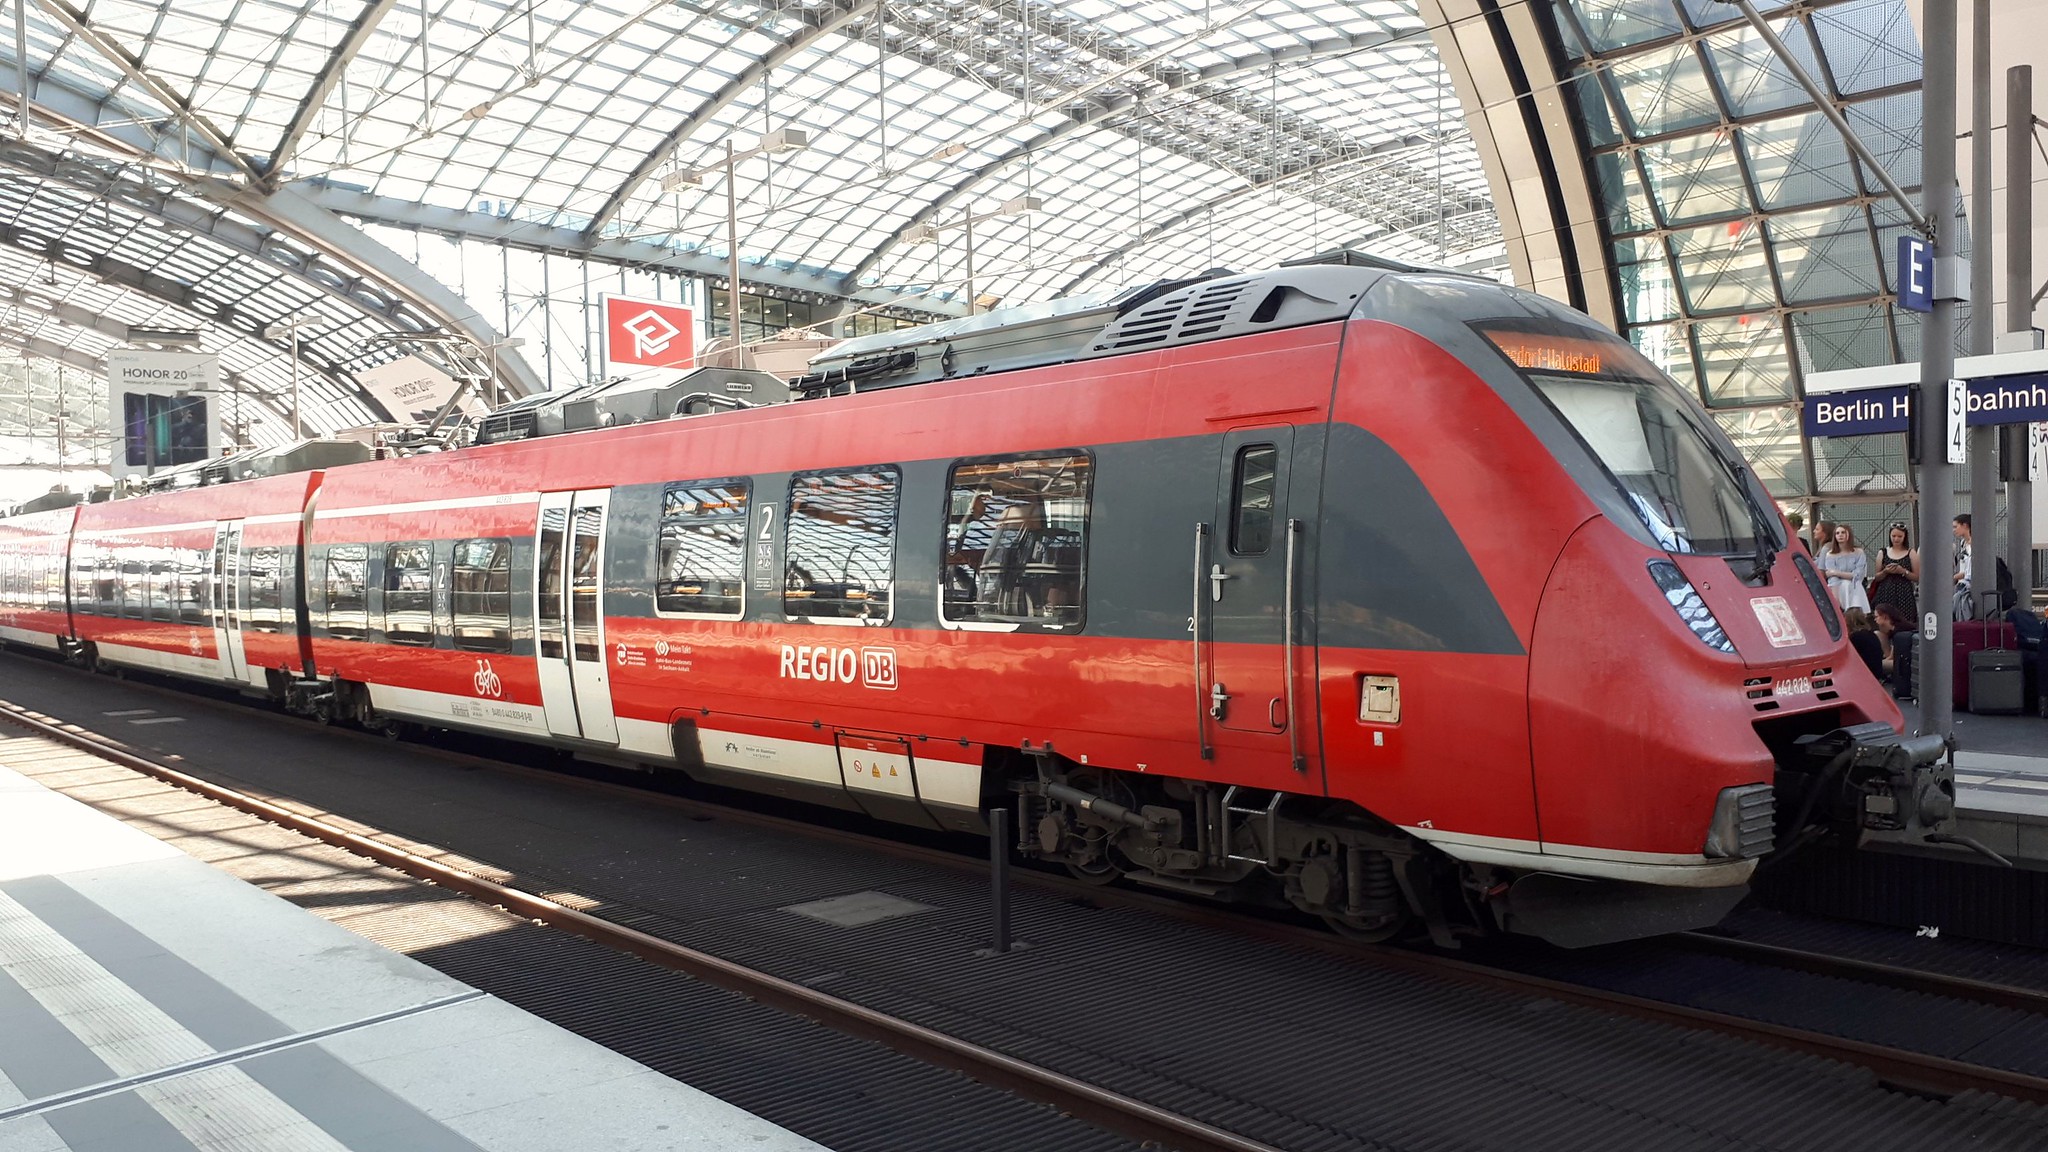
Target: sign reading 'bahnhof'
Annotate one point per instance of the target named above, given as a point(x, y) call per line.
point(1866, 411)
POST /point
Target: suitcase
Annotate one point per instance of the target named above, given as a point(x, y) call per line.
point(1997, 682)
point(1971, 637)
point(1990, 678)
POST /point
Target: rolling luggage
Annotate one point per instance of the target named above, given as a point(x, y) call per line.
point(1990, 679)
point(1997, 682)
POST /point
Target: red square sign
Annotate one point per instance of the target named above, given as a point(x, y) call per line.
point(649, 333)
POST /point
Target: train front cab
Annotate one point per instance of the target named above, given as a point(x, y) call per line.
point(1690, 695)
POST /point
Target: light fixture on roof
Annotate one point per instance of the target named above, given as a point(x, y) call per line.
point(166, 337)
point(780, 140)
point(956, 148)
point(480, 111)
point(927, 232)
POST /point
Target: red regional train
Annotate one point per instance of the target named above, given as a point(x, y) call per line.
point(1399, 597)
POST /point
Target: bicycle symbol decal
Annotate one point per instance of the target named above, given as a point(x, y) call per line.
point(486, 680)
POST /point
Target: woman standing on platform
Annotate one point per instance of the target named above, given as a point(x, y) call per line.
point(1846, 568)
point(1897, 582)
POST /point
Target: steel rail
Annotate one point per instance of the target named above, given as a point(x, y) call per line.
point(1905, 1068)
point(1899, 976)
point(1113, 1110)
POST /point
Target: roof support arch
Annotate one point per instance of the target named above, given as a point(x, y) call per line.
point(72, 316)
point(131, 67)
point(395, 291)
point(323, 86)
point(1500, 65)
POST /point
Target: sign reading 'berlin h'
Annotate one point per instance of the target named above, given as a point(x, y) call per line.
point(1866, 411)
point(649, 333)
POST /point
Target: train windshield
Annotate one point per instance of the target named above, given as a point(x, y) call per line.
point(1680, 476)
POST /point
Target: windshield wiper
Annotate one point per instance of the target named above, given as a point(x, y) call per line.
point(1766, 554)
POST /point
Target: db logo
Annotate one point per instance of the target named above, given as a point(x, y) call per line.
point(878, 667)
point(486, 681)
point(651, 333)
point(622, 654)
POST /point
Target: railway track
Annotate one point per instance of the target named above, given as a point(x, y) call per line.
point(1109, 1109)
point(1915, 1071)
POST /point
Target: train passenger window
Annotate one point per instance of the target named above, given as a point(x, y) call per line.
point(483, 595)
point(131, 586)
point(1251, 500)
point(585, 582)
point(264, 611)
point(701, 567)
point(344, 577)
point(161, 597)
point(409, 593)
point(84, 568)
point(53, 583)
point(840, 546)
point(194, 586)
point(554, 523)
point(1016, 541)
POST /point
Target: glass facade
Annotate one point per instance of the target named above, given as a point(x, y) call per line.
point(1750, 247)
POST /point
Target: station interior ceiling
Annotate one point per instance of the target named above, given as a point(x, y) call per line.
point(386, 175)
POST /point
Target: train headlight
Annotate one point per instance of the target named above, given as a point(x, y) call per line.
point(1685, 600)
point(1821, 599)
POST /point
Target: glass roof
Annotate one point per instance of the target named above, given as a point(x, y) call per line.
point(1750, 246)
point(1158, 135)
point(1015, 149)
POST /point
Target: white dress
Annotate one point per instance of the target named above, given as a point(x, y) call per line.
point(1846, 573)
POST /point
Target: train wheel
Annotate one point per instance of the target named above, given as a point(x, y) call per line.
point(1098, 871)
point(1087, 850)
point(1367, 932)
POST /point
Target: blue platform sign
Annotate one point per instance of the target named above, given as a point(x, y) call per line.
point(1868, 411)
point(1916, 274)
point(1864, 412)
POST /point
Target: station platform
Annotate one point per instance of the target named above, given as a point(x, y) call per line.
point(150, 1003)
point(2001, 783)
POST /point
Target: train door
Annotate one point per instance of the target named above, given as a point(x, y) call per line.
point(229, 609)
point(1247, 678)
point(575, 687)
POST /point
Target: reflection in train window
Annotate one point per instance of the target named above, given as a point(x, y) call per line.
point(548, 627)
point(264, 611)
point(701, 569)
point(409, 593)
point(840, 546)
point(483, 595)
point(586, 629)
point(1016, 540)
point(194, 586)
point(346, 571)
point(1251, 521)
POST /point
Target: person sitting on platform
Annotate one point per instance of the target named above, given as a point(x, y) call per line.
point(1864, 639)
point(1895, 632)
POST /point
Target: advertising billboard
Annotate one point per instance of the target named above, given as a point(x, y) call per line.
point(411, 389)
point(165, 407)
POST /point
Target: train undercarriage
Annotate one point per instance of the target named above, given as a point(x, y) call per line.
point(1371, 880)
point(1364, 877)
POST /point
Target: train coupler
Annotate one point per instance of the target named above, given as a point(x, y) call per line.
point(1871, 786)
